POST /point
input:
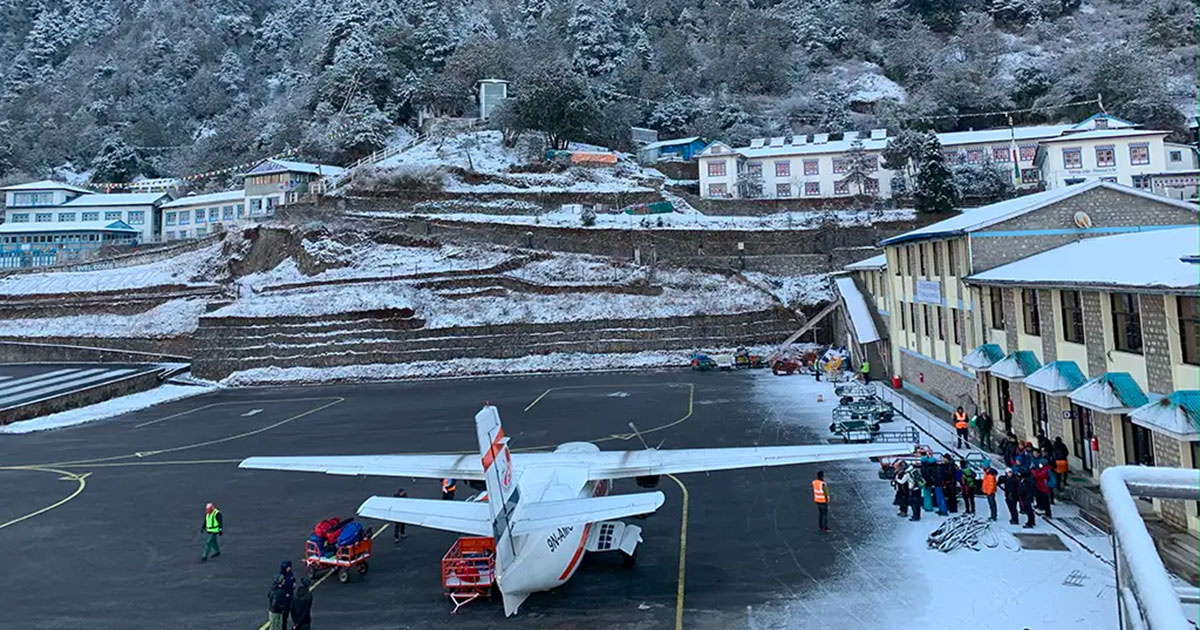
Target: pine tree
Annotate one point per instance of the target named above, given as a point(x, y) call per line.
point(597, 43)
point(859, 166)
point(935, 191)
point(834, 109)
point(231, 74)
point(436, 35)
point(116, 162)
point(46, 39)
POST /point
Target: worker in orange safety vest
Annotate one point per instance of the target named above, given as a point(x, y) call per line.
point(448, 488)
point(821, 498)
point(960, 427)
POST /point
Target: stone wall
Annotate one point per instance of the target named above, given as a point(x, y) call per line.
point(88, 396)
point(1167, 455)
point(1155, 345)
point(1093, 338)
point(941, 381)
point(404, 200)
point(95, 349)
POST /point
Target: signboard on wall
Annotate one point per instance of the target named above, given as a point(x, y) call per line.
point(929, 292)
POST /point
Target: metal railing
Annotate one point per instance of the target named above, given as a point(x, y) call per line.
point(1146, 597)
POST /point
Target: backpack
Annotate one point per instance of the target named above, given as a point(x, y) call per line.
point(351, 534)
point(324, 527)
point(1050, 482)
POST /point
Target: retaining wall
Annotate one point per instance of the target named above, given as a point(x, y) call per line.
point(132, 384)
point(96, 349)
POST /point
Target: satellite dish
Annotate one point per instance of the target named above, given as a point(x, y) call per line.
point(1082, 220)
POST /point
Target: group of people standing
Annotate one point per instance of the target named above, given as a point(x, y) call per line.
point(937, 484)
point(287, 599)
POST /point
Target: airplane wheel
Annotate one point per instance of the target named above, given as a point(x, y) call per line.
point(628, 560)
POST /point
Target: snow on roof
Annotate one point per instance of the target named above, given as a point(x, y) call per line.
point(671, 143)
point(1150, 259)
point(114, 199)
point(65, 226)
point(199, 200)
point(288, 166)
point(1101, 134)
point(1056, 378)
point(860, 314)
point(1177, 415)
point(874, 262)
point(46, 184)
point(983, 357)
point(1001, 134)
point(1114, 392)
point(833, 146)
point(986, 216)
point(1016, 366)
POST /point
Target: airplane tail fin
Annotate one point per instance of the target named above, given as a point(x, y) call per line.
point(502, 493)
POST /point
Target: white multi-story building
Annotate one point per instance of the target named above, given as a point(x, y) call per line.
point(272, 183)
point(815, 166)
point(1121, 156)
point(195, 216)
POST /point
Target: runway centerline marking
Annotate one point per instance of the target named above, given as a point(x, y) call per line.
point(682, 554)
point(80, 480)
point(610, 385)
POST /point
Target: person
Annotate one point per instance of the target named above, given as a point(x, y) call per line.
point(967, 487)
point(901, 483)
point(983, 424)
point(821, 498)
point(915, 492)
point(1044, 444)
point(276, 604)
point(865, 370)
point(448, 488)
point(1027, 493)
point(289, 587)
point(1039, 458)
point(988, 487)
point(1008, 449)
point(302, 605)
point(1041, 487)
point(960, 427)
point(1024, 458)
point(214, 526)
point(399, 529)
point(1061, 464)
point(1011, 485)
point(950, 480)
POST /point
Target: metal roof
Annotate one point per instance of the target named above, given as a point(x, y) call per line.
point(874, 262)
point(983, 357)
point(671, 143)
point(201, 200)
point(1114, 392)
point(1016, 366)
point(113, 199)
point(1177, 415)
point(1056, 378)
point(65, 226)
point(46, 184)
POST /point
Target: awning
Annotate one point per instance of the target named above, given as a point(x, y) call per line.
point(983, 357)
point(1177, 415)
point(1056, 378)
point(1016, 366)
point(1114, 392)
point(860, 314)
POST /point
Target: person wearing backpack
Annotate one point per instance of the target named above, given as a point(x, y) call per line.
point(915, 492)
point(302, 605)
point(967, 487)
point(277, 602)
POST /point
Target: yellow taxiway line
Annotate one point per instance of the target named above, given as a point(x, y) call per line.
point(80, 480)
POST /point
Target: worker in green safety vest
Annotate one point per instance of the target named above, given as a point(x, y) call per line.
point(214, 526)
point(865, 370)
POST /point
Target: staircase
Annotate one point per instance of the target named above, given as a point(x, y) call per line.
point(329, 185)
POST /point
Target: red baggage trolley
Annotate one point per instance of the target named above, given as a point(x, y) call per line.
point(469, 570)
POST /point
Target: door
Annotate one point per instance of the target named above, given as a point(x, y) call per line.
point(1005, 405)
point(1081, 435)
point(1138, 447)
point(1041, 417)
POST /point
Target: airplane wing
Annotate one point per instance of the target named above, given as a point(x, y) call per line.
point(623, 464)
point(550, 514)
point(467, 517)
point(466, 466)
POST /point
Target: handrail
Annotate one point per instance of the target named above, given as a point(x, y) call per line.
point(1155, 596)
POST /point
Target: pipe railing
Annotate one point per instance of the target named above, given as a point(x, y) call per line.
point(1141, 575)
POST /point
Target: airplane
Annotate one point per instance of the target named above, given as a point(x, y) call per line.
point(544, 510)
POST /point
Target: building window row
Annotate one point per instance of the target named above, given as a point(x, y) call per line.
point(1029, 311)
point(1072, 316)
point(1127, 322)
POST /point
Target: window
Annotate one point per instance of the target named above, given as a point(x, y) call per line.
point(137, 217)
point(954, 326)
point(902, 318)
point(912, 318)
point(1029, 312)
point(1176, 156)
point(43, 217)
point(1001, 154)
point(214, 214)
point(953, 157)
point(1028, 152)
point(783, 168)
point(871, 186)
point(715, 169)
point(839, 165)
point(997, 305)
point(227, 213)
point(951, 266)
point(201, 213)
point(812, 189)
point(921, 257)
point(754, 169)
point(1030, 176)
point(1139, 154)
point(841, 188)
point(912, 260)
point(1101, 123)
point(185, 217)
point(1189, 328)
point(1139, 450)
point(714, 190)
point(937, 258)
point(20, 218)
point(1106, 156)
point(811, 167)
point(241, 208)
point(66, 216)
point(896, 267)
point(1142, 182)
point(112, 216)
point(974, 156)
point(170, 218)
point(171, 235)
point(1072, 158)
point(871, 163)
point(271, 203)
point(941, 323)
point(1127, 322)
point(783, 190)
point(1072, 316)
point(201, 232)
point(91, 216)
point(928, 322)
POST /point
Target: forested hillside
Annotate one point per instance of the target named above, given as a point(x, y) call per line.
point(159, 87)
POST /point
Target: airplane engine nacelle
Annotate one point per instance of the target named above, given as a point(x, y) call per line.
point(648, 481)
point(478, 485)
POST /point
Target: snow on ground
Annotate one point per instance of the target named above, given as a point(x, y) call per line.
point(555, 362)
point(371, 259)
point(174, 317)
point(107, 409)
point(808, 220)
point(567, 269)
point(890, 579)
point(794, 291)
point(179, 269)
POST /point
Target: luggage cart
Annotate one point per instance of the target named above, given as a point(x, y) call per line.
point(469, 570)
point(346, 558)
